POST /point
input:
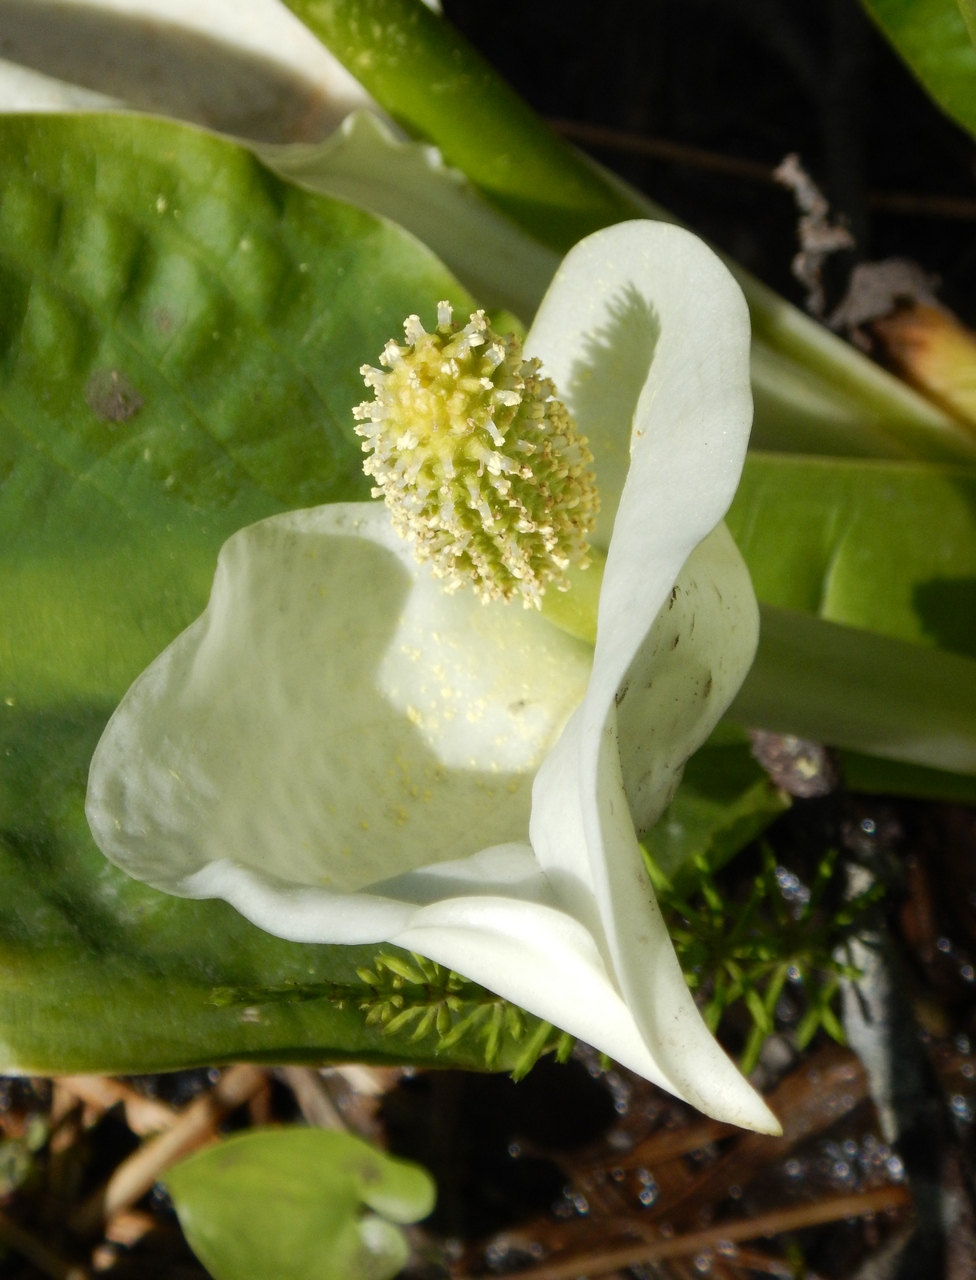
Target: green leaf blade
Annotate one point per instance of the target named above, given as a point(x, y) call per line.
point(932, 37)
point(284, 1204)
point(110, 522)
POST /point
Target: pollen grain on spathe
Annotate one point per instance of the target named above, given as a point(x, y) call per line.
point(482, 467)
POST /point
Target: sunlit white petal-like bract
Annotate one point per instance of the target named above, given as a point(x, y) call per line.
point(347, 754)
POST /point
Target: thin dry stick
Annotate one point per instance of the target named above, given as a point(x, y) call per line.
point(142, 1115)
point(767, 1224)
point(196, 1123)
point(900, 202)
point(37, 1253)
point(664, 149)
point(129, 1226)
point(371, 1082)
point(312, 1097)
point(671, 1143)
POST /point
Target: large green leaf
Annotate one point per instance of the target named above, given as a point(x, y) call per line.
point(286, 1204)
point(870, 693)
point(932, 38)
point(180, 334)
point(888, 546)
point(888, 551)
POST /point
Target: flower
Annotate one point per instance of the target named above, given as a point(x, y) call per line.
point(347, 753)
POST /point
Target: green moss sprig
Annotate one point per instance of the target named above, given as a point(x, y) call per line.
point(402, 994)
point(735, 951)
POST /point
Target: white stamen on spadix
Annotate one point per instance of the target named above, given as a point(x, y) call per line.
point(449, 433)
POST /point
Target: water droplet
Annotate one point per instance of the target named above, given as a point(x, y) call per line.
point(960, 1107)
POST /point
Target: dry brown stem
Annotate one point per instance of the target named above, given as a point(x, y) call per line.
point(668, 1144)
point(678, 1246)
point(312, 1097)
point(142, 1115)
point(909, 203)
point(827, 1085)
point(196, 1124)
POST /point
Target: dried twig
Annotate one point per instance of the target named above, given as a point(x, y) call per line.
point(312, 1097)
point(142, 1115)
point(829, 1084)
point(663, 149)
point(668, 1144)
point(766, 1224)
point(908, 203)
point(197, 1122)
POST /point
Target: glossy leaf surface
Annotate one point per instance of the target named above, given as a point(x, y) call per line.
point(867, 692)
point(887, 546)
point(932, 37)
point(887, 550)
point(180, 334)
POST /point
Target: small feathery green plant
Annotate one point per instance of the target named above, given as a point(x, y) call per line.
point(730, 951)
point(734, 951)
point(412, 994)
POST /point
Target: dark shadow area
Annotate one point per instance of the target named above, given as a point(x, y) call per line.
point(947, 610)
point(752, 80)
point(605, 385)
point(483, 1138)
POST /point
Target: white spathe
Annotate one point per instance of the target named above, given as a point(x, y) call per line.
point(347, 754)
point(253, 70)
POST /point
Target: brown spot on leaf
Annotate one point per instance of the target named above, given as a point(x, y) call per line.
point(674, 642)
point(619, 696)
point(112, 397)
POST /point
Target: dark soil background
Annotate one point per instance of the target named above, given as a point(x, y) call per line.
point(752, 79)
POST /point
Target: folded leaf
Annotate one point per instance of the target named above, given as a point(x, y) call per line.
point(250, 70)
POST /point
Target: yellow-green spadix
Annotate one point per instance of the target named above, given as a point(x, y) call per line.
point(348, 753)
